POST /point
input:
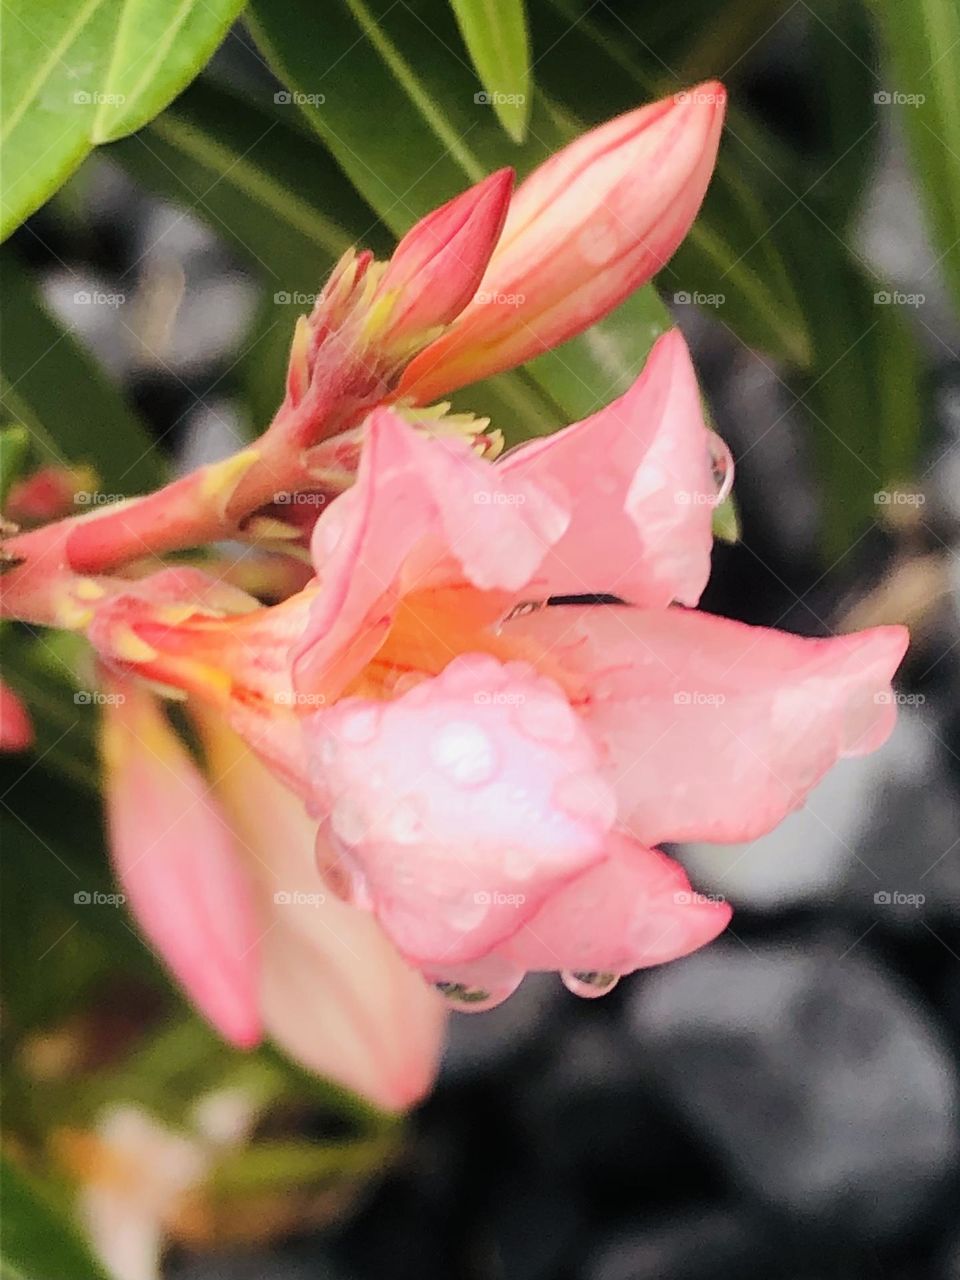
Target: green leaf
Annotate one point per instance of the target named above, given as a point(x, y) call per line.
point(39, 1240)
point(14, 450)
point(440, 140)
point(863, 399)
point(495, 33)
point(52, 387)
point(729, 257)
point(922, 43)
point(258, 177)
point(75, 75)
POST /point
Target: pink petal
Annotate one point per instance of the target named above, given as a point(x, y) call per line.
point(588, 227)
point(174, 854)
point(460, 805)
point(637, 479)
point(715, 730)
point(632, 910)
point(421, 509)
point(437, 266)
point(16, 728)
point(335, 993)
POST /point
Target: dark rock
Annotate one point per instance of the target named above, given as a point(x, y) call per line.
point(821, 1083)
point(705, 1245)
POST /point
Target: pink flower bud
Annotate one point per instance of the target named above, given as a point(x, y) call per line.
point(437, 266)
point(588, 227)
point(16, 731)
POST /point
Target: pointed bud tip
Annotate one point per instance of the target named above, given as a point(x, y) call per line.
point(438, 265)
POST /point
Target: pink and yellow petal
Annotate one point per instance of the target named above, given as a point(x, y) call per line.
point(176, 858)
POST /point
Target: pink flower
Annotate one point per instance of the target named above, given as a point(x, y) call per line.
point(221, 876)
point(490, 772)
point(590, 225)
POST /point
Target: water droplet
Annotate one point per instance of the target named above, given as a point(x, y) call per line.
point(523, 609)
point(587, 797)
point(405, 823)
point(341, 874)
point(721, 462)
point(589, 985)
point(547, 719)
point(359, 726)
point(460, 995)
point(463, 752)
point(349, 818)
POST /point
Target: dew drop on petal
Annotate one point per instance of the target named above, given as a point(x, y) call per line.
point(405, 823)
point(464, 753)
point(589, 985)
point(524, 608)
point(349, 819)
point(359, 726)
point(587, 797)
point(546, 719)
point(721, 463)
point(467, 999)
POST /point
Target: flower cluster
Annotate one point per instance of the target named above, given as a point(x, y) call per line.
point(445, 753)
